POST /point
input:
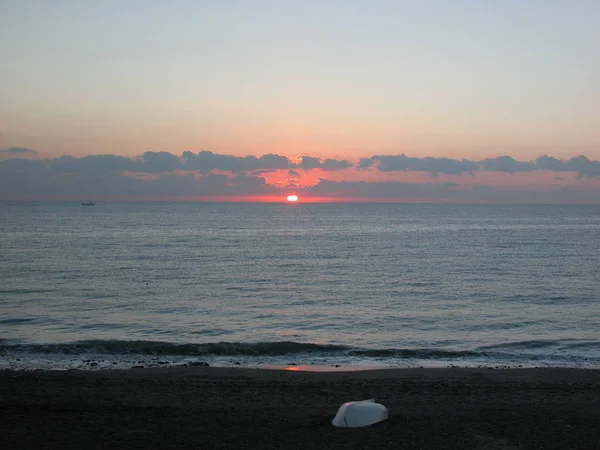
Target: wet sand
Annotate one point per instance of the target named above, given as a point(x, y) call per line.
point(212, 408)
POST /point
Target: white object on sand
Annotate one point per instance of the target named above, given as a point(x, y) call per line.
point(359, 414)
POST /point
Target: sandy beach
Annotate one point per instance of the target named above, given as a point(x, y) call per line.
point(206, 407)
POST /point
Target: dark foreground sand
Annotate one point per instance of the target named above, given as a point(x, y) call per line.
point(205, 408)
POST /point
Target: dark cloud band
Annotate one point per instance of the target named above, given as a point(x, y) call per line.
point(205, 161)
point(209, 174)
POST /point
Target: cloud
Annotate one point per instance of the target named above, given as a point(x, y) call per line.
point(15, 182)
point(365, 163)
point(580, 164)
point(506, 164)
point(391, 163)
point(388, 190)
point(207, 161)
point(309, 163)
point(243, 184)
point(157, 162)
point(335, 164)
point(99, 164)
point(448, 192)
point(164, 162)
point(206, 173)
point(19, 150)
point(584, 166)
point(545, 162)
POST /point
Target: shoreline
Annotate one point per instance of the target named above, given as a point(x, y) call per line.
point(94, 367)
point(240, 407)
point(91, 362)
point(297, 370)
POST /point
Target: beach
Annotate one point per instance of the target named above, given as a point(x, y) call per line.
point(211, 407)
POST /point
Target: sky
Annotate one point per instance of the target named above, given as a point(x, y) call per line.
point(423, 100)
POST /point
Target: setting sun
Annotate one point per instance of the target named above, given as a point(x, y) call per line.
point(292, 198)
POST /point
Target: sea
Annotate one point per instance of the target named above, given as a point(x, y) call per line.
point(310, 286)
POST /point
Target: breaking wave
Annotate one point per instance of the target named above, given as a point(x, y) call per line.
point(568, 349)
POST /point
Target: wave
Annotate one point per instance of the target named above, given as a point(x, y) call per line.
point(282, 348)
point(418, 353)
point(17, 320)
point(543, 345)
point(118, 347)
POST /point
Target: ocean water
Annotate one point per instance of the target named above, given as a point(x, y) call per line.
point(348, 285)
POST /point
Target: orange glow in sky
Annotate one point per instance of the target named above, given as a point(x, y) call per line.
point(366, 112)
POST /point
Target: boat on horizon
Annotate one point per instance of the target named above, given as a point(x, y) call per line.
point(88, 204)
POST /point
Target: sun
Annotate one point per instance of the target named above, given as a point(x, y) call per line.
point(292, 198)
